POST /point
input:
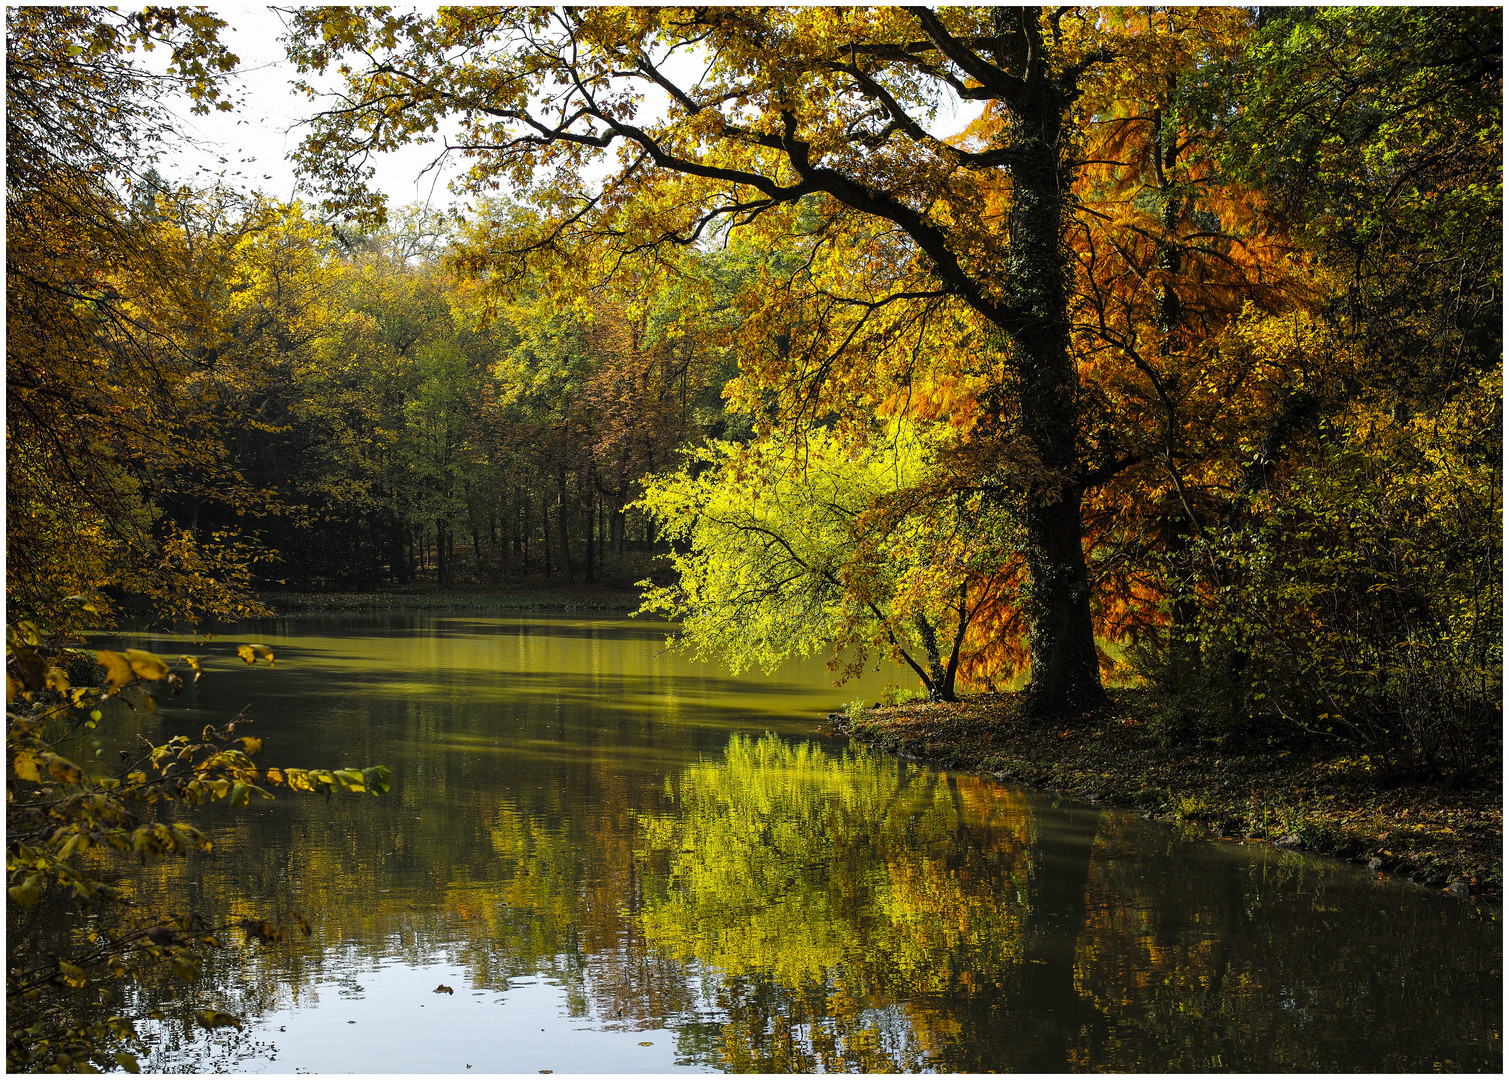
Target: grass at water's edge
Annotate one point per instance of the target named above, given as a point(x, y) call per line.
point(1331, 800)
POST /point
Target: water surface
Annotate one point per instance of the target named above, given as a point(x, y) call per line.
point(614, 868)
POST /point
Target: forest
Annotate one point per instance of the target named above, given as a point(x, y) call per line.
point(1180, 365)
point(1189, 345)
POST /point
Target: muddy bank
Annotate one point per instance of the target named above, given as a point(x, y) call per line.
point(1328, 799)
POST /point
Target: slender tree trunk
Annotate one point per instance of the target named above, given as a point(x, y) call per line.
point(616, 522)
point(591, 535)
point(940, 684)
point(398, 556)
point(544, 524)
point(562, 525)
point(442, 564)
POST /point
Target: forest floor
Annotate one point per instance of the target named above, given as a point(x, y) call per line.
point(600, 598)
point(1331, 800)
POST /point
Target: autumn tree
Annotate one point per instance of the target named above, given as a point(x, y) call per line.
point(786, 550)
point(834, 104)
point(106, 339)
point(1370, 553)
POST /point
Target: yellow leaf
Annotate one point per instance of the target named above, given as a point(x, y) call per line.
point(146, 665)
point(249, 653)
point(61, 769)
point(25, 767)
point(117, 669)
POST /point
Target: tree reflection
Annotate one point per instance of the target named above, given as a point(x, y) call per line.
point(784, 908)
point(862, 913)
point(1291, 971)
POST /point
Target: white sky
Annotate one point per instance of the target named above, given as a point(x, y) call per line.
point(256, 138)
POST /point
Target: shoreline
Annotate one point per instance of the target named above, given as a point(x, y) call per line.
point(1330, 800)
point(597, 597)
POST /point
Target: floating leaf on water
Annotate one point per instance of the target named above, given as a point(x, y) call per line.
point(72, 973)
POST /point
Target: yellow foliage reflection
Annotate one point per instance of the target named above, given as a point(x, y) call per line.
point(852, 883)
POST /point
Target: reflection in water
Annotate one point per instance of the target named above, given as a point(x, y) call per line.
point(596, 847)
point(838, 898)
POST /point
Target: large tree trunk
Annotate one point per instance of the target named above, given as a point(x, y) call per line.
point(1061, 639)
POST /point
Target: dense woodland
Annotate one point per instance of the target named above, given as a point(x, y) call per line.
point(1181, 363)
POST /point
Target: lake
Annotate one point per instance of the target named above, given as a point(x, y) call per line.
point(613, 859)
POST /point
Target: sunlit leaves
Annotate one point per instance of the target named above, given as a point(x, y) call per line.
point(108, 324)
point(60, 814)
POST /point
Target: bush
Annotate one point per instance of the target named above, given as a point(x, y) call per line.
point(1199, 695)
point(58, 999)
point(1358, 599)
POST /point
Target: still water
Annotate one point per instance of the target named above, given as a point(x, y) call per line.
point(612, 866)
